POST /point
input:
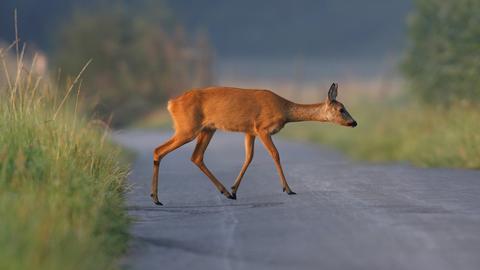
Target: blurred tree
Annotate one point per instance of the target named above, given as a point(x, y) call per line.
point(443, 60)
point(140, 58)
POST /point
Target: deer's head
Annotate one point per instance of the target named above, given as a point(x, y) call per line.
point(335, 111)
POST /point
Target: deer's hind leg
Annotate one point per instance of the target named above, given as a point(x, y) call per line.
point(249, 146)
point(203, 140)
point(177, 140)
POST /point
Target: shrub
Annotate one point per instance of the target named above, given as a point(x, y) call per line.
point(140, 58)
point(443, 61)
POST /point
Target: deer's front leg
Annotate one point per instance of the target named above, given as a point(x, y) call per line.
point(249, 146)
point(268, 143)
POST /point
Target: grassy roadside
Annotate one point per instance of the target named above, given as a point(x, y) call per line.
point(428, 136)
point(61, 181)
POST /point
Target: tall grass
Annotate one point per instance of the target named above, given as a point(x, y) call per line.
point(425, 135)
point(61, 181)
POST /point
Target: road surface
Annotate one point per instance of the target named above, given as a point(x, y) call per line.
point(345, 215)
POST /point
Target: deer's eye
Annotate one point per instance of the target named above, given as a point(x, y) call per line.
point(342, 110)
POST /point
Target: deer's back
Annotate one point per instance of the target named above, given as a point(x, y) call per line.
point(231, 109)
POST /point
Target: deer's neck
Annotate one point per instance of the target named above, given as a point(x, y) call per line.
point(306, 112)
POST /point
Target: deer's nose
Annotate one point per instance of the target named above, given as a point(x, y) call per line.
point(354, 124)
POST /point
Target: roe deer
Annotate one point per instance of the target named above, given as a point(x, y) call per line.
point(199, 113)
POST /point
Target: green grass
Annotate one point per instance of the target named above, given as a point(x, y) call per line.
point(61, 181)
point(427, 136)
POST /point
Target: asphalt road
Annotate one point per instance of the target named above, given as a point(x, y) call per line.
point(345, 215)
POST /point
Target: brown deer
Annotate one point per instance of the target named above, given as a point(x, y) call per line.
point(199, 113)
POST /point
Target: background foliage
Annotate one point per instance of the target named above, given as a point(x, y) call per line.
point(437, 123)
point(443, 60)
point(140, 58)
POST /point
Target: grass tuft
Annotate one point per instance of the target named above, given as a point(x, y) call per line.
point(61, 181)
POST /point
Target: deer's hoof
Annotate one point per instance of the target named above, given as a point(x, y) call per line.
point(155, 199)
point(234, 196)
point(228, 195)
point(289, 192)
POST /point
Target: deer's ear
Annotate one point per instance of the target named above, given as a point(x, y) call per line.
point(332, 93)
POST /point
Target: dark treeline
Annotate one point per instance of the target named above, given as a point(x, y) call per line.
point(250, 28)
point(141, 55)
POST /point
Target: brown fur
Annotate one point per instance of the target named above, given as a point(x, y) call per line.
point(199, 113)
